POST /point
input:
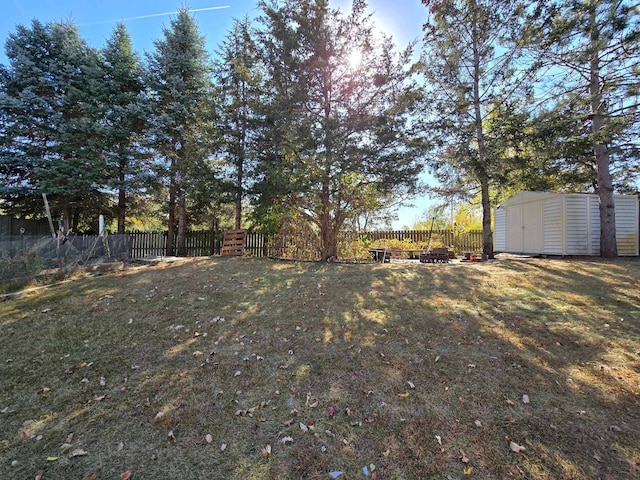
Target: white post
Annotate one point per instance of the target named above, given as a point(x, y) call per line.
point(101, 225)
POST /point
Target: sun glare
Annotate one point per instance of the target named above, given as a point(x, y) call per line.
point(355, 58)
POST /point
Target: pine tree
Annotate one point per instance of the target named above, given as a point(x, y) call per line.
point(50, 111)
point(123, 119)
point(469, 70)
point(592, 48)
point(238, 78)
point(181, 119)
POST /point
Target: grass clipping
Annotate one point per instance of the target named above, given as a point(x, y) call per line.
point(240, 368)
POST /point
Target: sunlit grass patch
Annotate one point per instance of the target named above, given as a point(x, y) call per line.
point(190, 370)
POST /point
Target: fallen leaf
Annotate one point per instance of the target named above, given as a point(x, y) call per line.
point(516, 448)
point(411, 384)
point(41, 473)
point(103, 381)
point(266, 451)
point(437, 358)
point(467, 471)
point(335, 474)
point(332, 411)
point(46, 391)
point(510, 402)
point(52, 459)
point(208, 438)
point(525, 399)
point(463, 457)
point(237, 374)
point(478, 423)
point(66, 447)
point(78, 453)
point(223, 447)
point(597, 456)
point(171, 436)
point(69, 438)
point(198, 354)
point(288, 423)
point(439, 439)
point(403, 395)
point(286, 440)
point(303, 427)
point(126, 475)
point(120, 446)
point(68, 371)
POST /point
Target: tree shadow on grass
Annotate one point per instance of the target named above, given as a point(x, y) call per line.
point(409, 358)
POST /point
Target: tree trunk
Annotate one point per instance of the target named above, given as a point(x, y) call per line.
point(328, 234)
point(122, 201)
point(239, 192)
point(172, 216)
point(329, 239)
point(608, 244)
point(481, 168)
point(182, 227)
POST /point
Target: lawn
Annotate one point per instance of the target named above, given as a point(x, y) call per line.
point(244, 368)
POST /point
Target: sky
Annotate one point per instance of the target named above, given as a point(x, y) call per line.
point(145, 20)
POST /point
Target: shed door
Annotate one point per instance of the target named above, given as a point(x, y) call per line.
point(532, 227)
point(514, 238)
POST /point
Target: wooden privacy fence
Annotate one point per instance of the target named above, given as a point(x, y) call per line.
point(306, 247)
point(199, 244)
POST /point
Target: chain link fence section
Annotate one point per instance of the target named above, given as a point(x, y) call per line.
point(27, 258)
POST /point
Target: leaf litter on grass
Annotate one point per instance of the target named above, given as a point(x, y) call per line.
point(524, 326)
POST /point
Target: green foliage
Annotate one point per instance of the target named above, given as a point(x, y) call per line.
point(50, 112)
point(469, 71)
point(181, 122)
point(123, 121)
point(238, 79)
point(332, 129)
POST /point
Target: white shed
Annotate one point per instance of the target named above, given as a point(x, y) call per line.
point(563, 224)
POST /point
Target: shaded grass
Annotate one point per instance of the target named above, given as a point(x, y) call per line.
point(281, 343)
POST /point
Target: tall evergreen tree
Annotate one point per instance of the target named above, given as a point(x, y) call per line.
point(238, 78)
point(338, 116)
point(123, 119)
point(469, 69)
point(181, 120)
point(49, 104)
point(593, 49)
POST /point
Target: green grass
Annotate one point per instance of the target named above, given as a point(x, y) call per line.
point(281, 343)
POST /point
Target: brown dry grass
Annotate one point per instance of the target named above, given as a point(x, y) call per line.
point(299, 338)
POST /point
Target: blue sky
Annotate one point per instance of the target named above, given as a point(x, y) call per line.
point(144, 19)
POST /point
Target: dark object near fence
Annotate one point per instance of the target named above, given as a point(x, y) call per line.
point(435, 255)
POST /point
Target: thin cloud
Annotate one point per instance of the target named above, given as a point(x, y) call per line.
point(153, 15)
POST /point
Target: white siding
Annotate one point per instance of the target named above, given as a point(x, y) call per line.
point(500, 230)
point(627, 225)
point(577, 229)
point(594, 232)
point(553, 226)
point(564, 224)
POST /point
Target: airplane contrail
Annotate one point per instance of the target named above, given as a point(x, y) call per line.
point(206, 9)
